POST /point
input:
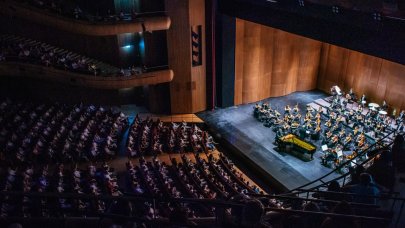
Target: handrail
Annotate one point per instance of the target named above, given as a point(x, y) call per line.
point(328, 214)
point(347, 163)
point(125, 196)
point(211, 202)
point(12, 8)
point(282, 197)
point(18, 69)
point(382, 197)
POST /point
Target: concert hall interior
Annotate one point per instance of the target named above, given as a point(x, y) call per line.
point(205, 113)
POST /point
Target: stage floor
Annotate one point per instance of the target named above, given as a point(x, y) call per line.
point(247, 135)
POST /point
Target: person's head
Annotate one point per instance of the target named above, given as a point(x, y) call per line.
point(253, 211)
point(365, 179)
point(359, 169)
point(178, 216)
point(333, 186)
point(343, 208)
point(384, 156)
point(311, 206)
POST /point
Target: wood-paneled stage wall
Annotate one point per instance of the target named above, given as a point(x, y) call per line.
point(379, 79)
point(270, 63)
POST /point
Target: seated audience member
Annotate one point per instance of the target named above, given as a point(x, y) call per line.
point(365, 191)
point(178, 217)
point(355, 174)
point(332, 188)
point(252, 214)
point(339, 222)
point(383, 171)
point(311, 221)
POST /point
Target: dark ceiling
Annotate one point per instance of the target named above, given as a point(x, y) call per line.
point(352, 29)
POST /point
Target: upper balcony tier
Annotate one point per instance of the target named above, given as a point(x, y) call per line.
point(81, 23)
point(22, 57)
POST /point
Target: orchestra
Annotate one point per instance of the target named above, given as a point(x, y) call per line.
point(349, 127)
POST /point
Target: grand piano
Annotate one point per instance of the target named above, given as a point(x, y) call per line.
point(295, 143)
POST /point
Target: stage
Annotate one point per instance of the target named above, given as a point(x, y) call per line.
point(253, 141)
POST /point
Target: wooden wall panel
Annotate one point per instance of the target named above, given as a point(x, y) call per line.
point(251, 60)
point(198, 73)
point(188, 89)
point(239, 33)
point(179, 55)
point(377, 78)
point(271, 62)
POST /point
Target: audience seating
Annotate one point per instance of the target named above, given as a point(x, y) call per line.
point(58, 132)
point(200, 185)
point(19, 49)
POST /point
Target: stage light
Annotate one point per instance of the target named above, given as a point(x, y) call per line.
point(195, 44)
point(377, 16)
point(127, 46)
point(301, 3)
point(335, 9)
point(194, 35)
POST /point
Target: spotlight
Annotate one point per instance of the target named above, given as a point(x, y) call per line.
point(377, 16)
point(335, 9)
point(301, 3)
point(194, 35)
point(195, 44)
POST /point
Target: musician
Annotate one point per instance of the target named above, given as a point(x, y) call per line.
point(400, 127)
point(351, 93)
point(348, 97)
point(295, 125)
point(318, 129)
point(334, 141)
point(384, 106)
point(339, 119)
point(286, 128)
point(287, 109)
point(334, 128)
point(348, 138)
point(318, 121)
point(307, 119)
point(401, 117)
point(363, 100)
point(308, 125)
point(360, 109)
point(320, 110)
point(296, 109)
point(328, 138)
point(355, 130)
point(297, 117)
point(359, 119)
point(360, 142)
point(316, 133)
point(256, 110)
point(333, 116)
point(265, 105)
point(309, 108)
point(328, 123)
point(342, 133)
